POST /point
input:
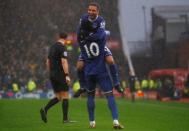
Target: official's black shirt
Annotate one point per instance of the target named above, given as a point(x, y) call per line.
point(56, 52)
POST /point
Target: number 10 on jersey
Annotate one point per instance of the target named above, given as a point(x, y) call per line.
point(92, 50)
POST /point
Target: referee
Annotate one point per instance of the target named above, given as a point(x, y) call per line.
point(57, 64)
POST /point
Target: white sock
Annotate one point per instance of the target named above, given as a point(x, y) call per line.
point(115, 122)
point(92, 122)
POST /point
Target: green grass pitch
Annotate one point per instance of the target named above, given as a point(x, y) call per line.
point(23, 115)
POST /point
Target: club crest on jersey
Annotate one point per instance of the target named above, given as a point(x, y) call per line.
point(102, 25)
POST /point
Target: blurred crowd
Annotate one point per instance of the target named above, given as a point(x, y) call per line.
point(27, 29)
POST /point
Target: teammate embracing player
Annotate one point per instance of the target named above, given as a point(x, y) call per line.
point(92, 17)
point(92, 40)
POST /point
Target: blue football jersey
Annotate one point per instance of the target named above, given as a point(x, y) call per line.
point(86, 26)
point(92, 44)
point(99, 22)
point(93, 53)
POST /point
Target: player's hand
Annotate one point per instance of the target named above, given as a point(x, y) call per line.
point(68, 80)
point(107, 32)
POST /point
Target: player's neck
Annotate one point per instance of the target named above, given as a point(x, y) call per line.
point(62, 41)
point(93, 19)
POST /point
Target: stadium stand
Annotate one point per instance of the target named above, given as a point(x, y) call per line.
point(27, 29)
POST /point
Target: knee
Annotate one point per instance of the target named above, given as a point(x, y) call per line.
point(62, 95)
point(58, 97)
point(91, 93)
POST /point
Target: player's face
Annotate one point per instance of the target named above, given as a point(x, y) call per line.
point(93, 12)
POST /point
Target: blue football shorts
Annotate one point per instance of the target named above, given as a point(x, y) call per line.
point(103, 80)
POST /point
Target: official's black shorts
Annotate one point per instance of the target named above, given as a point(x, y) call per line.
point(59, 84)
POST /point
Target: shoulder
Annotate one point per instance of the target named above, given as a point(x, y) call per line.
point(84, 17)
point(101, 22)
point(58, 46)
point(61, 46)
point(100, 18)
point(53, 46)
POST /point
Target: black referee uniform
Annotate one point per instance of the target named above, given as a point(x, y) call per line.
point(58, 78)
point(57, 75)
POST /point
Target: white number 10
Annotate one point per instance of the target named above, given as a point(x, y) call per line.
point(93, 50)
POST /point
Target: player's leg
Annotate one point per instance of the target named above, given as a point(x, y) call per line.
point(112, 106)
point(81, 76)
point(64, 96)
point(91, 108)
point(91, 84)
point(43, 111)
point(51, 103)
point(132, 96)
point(105, 84)
point(113, 70)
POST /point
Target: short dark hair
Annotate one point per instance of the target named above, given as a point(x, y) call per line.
point(63, 35)
point(95, 4)
point(87, 25)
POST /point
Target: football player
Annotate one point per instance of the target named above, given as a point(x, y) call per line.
point(97, 23)
point(92, 40)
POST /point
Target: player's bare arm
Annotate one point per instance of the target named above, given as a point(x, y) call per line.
point(66, 69)
point(48, 64)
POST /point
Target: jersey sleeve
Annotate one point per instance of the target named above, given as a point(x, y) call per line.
point(80, 31)
point(82, 18)
point(63, 51)
point(99, 33)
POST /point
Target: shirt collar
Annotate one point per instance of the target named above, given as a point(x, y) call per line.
point(92, 20)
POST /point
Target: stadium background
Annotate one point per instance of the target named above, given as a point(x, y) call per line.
point(27, 30)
